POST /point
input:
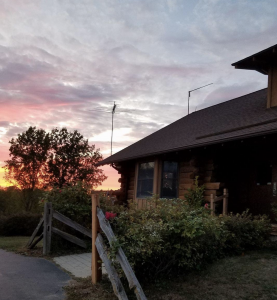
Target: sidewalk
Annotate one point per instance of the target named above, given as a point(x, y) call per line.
point(78, 265)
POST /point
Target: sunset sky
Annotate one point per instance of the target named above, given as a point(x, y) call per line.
point(63, 63)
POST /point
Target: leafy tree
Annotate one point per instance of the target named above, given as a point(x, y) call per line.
point(72, 159)
point(25, 169)
point(41, 160)
point(28, 154)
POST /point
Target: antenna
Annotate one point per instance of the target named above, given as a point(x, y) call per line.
point(113, 112)
point(195, 90)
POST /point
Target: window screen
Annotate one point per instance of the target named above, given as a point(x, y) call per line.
point(145, 180)
point(169, 179)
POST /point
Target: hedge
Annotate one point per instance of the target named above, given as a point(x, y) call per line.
point(19, 225)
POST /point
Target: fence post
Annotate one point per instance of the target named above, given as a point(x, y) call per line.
point(47, 230)
point(212, 204)
point(225, 202)
point(96, 266)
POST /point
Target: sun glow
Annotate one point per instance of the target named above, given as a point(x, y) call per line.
point(3, 182)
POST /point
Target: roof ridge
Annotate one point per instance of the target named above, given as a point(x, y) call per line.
point(221, 103)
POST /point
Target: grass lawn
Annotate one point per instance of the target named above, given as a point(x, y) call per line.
point(249, 277)
point(18, 243)
point(59, 247)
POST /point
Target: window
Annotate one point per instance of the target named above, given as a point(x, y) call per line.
point(145, 180)
point(264, 174)
point(169, 180)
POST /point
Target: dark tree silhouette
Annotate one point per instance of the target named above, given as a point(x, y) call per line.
point(41, 160)
point(72, 159)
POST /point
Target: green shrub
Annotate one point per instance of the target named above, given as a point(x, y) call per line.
point(71, 201)
point(75, 203)
point(173, 235)
point(22, 224)
point(246, 231)
point(168, 237)
point(195, 195)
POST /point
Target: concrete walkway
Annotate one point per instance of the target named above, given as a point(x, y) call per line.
point(78, 265)
point(30, 278)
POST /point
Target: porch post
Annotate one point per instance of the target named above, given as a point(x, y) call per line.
point(96, 271)
point(225, 202)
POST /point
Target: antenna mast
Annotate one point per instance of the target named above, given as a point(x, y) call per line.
point(113, 111)
point(195, 90)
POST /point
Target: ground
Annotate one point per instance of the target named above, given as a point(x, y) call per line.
point(251, 276)
point(30, 278)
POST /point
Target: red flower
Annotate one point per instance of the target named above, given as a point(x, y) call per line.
point(110, 215)
point(60, 191)
point(206, 206)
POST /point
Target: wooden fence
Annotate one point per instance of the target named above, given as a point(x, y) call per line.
point(99, 251)
point(48, 229)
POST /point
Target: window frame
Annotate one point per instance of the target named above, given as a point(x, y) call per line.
point(161, 178)
point(155, 176)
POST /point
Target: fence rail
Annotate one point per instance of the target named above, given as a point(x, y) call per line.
point(105, 226)
point(48, 229)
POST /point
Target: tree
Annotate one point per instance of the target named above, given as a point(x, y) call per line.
point(28, 156)
point(25, 169)
point(72, 159)
point(40, 160)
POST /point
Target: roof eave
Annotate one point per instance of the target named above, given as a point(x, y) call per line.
point(258, 61)
point(244, 136)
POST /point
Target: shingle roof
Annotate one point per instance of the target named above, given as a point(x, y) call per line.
point(241, 117)
point(260, 61)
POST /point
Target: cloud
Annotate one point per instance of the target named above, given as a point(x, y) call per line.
point(63, 63)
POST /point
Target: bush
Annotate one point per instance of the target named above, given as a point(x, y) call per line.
point(75, 203)
point(173, 235)
point(71, 201)
point(195, 195)
point(246, 231)
point(169, 236)
point(22, 224)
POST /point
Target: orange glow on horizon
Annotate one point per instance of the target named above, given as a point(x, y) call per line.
point(3, 182)
point(111, 183)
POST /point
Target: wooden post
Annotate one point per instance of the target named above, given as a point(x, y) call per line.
point(47, 230)
point(96, 266)
point(212, 204)
point(225, 202)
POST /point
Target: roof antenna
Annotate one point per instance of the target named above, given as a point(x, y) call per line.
point(113, 112)
point(195, 90)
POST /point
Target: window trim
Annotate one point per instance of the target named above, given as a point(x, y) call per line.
point(177, 177)
point(155, 176)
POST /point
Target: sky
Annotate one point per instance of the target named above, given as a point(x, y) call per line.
point(64, 63)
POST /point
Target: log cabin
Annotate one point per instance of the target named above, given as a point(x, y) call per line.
point(232, 144)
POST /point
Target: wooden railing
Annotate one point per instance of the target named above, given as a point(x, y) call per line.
point(48, 215)
point(223, 198)
point(99, 249)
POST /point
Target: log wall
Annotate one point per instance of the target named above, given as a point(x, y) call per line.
point(189, 168)
point(204, 168)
